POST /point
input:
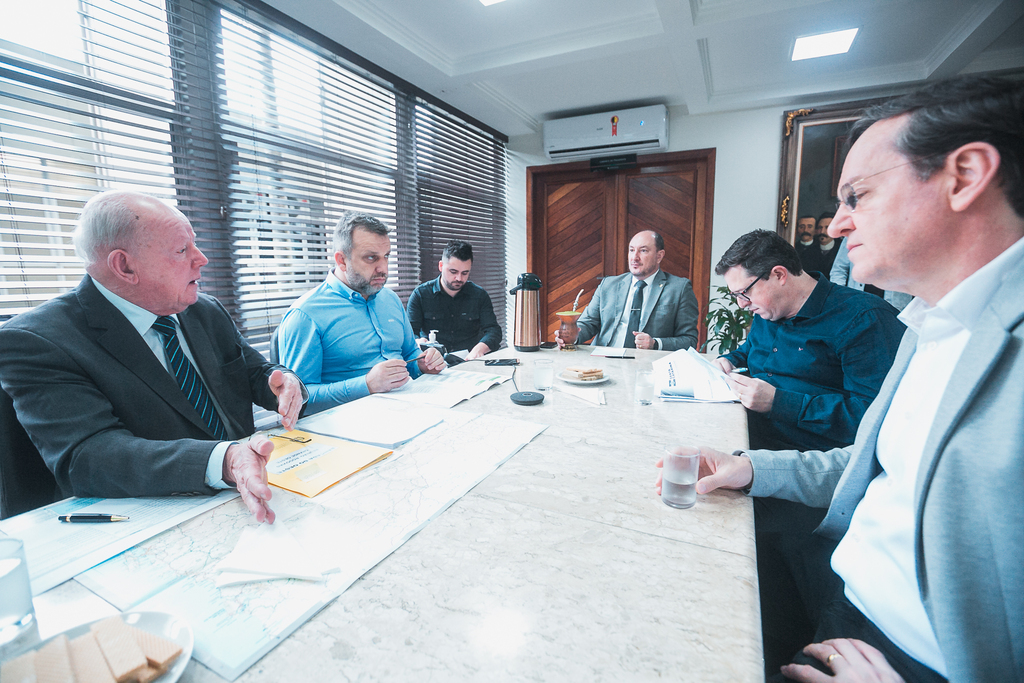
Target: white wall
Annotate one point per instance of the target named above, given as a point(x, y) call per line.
point(748, 145)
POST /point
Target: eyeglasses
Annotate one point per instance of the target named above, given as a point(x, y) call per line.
point(743, 294)
point(848, 195)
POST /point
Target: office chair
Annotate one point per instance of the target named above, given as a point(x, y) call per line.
point(25, 481)
point(274, 355)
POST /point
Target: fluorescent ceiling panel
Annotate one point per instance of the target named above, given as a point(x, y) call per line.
point(823, 44)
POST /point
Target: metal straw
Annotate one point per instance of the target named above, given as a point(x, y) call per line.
point(576, 303)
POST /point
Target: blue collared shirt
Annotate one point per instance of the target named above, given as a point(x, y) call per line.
point(826, 363)
point(332, 337)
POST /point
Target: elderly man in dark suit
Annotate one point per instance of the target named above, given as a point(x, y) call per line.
point(135, 384)
point(645, 308)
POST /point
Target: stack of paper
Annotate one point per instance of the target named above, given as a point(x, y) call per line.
point(374, 420)
point(688, 376)
point(447, 389)
point(269, 551)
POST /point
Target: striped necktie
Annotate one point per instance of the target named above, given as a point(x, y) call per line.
point(188, 379)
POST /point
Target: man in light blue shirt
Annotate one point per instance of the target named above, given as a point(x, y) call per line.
point(350, 337)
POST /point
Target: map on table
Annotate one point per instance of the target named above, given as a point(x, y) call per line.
point(361, 520)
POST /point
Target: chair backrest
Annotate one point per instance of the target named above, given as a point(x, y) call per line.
point(25, 481)
point(274, 355)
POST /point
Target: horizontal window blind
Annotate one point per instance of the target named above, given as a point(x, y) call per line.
point(461, 191)
point(72, 124)
point(262, 133)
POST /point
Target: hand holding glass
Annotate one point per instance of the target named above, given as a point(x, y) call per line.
point(679, 476)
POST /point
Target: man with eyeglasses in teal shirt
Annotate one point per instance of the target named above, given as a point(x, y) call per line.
point(816, 356)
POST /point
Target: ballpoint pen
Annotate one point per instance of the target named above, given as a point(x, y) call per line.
point(82, 517)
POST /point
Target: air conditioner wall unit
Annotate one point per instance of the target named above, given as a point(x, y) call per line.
point(643, 130)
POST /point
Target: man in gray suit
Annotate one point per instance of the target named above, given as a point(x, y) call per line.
point(134, 383)
point(645, 308)
point(927, 502)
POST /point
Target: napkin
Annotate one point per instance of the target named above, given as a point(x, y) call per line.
point(594, 395)
point(269, 551)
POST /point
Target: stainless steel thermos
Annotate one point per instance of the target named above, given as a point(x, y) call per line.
point(526, 334)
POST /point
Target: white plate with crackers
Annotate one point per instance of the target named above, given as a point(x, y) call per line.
point(105, 650)
point(573, 378)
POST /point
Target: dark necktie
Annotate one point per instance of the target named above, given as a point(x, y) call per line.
point(188, 379)
point(634, 315)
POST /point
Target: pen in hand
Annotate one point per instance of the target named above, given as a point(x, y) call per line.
point(92, 518)
point(739, 370)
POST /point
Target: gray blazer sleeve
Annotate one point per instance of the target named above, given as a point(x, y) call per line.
point(808, 477)
point(674, 319)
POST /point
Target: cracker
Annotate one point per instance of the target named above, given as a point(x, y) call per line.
point(159, 651)
point(20, 669)
point(87, 660)
point(148, 674)
point(123, 654)
point(53, 662)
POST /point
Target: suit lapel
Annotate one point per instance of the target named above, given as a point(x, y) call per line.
point(201, 346)
point(123, 342)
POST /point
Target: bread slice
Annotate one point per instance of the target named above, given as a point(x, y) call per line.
point(53, 662)
point(585, 374)
point(87, 660)
point(123, 654)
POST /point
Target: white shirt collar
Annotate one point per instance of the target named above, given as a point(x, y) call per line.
point(139, 317)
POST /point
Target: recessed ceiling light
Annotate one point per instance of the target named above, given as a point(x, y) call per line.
point(823, 44)
point(487, 3)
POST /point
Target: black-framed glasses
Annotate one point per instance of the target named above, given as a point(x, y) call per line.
point(848, 194)
point(743, 293)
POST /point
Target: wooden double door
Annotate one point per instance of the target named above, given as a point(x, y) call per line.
point(579, 223)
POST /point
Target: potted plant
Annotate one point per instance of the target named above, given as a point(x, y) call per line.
point(727, 323)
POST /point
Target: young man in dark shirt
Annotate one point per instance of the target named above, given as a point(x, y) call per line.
point(458, 309)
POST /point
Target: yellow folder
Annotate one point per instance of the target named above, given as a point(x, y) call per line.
point(310, 463)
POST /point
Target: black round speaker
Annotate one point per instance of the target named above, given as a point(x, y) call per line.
point(527, 398)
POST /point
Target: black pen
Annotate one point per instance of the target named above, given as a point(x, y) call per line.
point(90, 518)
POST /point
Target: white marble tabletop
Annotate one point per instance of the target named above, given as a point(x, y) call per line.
point(563, 565)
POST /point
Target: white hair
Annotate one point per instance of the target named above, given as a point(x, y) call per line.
point(108, 221)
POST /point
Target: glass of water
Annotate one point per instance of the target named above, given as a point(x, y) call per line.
point(644, 393)
point(679, 471)
point(543, 374)
point(17, 616)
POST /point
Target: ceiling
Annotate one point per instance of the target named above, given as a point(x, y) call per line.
point(518, 63)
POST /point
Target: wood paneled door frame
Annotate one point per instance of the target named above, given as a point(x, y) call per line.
point(579, 223)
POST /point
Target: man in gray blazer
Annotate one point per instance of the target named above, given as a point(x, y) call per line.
point(645, 308)
point(927, 502)
point(135, 384)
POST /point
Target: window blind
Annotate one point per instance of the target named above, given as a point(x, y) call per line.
point(261, 131)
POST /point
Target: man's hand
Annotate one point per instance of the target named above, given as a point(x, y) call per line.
point(387, 375)
point(559, 340)
point(288, 390)
point(432, 362)
point(853, 661)
point(644, 340)
point(480, 349)
point(723, 364)
point(718, 470)
point(755, 394)
point(245, 466)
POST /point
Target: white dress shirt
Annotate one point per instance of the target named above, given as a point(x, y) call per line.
point(876, 556)
point(142, 320)
point(619, 340)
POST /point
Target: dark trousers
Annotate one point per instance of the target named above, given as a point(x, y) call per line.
point(840, 619)
point(795, 579)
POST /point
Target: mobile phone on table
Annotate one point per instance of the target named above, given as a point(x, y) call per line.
point(548, 345)
point(501, 361)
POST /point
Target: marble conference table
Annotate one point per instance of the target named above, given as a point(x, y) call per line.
point(562, 565)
